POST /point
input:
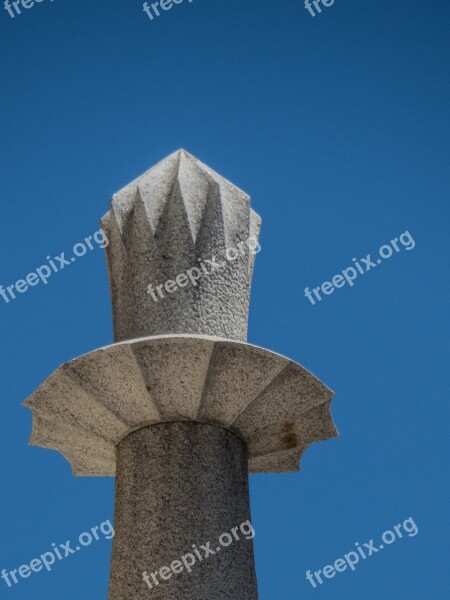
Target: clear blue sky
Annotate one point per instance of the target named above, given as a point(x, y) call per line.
point(337, 125)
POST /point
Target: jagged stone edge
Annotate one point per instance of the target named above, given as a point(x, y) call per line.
point(88, 463)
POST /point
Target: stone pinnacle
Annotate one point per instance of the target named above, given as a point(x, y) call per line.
point(161, 225)
point(181, 408)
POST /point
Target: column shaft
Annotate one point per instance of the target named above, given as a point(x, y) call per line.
point(178, 485)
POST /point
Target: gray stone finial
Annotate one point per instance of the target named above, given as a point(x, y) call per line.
point(174, 219)
point(181, 408)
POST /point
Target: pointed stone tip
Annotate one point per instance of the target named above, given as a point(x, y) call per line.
point(178, 155)
point(175, 154)
point(183, 151)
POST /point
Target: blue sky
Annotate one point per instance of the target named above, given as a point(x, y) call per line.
point(337, 126)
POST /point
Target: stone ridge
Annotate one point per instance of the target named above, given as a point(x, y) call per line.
point(195, 182)
point(162, 224)
point(87, 406)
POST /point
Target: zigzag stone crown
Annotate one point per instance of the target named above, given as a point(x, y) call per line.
point(180, 217)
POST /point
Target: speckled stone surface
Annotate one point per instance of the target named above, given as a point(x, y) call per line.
point(181, 408)
point(162, 224)
point(179, 485)
point(90, 404)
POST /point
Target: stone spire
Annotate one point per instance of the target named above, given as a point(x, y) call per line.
point(163, 224)
point(181, 408)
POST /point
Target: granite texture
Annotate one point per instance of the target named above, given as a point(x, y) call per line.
point(181, 408)
point(86, 407)
point(175, 215)
point(179, 485)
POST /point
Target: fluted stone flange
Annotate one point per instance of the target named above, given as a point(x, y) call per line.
point(88, 405)
point(167, 221)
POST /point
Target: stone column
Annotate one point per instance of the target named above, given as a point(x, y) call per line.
point(181, 408)
point(180, 486)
